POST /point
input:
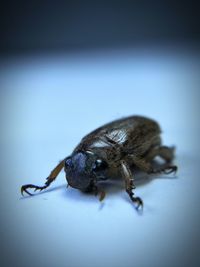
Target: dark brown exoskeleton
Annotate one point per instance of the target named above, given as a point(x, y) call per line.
point(117, 147)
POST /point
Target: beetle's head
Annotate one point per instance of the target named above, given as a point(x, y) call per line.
point(83, 168)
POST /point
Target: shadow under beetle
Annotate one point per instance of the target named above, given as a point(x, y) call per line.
point(117, 147)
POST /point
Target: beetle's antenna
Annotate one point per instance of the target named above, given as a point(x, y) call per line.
point(54, 173)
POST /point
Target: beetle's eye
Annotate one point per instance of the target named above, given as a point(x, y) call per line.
point(100, 165)
point(68, 162)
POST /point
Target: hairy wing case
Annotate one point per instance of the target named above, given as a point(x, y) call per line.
point(133, 133)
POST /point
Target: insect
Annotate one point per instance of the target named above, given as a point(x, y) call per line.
point(117, 148)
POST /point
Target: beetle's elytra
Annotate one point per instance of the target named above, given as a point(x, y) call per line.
point(115, 148)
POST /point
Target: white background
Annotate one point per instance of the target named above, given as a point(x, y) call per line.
point(48, 103)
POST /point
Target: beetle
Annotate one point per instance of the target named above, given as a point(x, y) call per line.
point(117, 148)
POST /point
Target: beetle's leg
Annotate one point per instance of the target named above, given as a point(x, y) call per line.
point(129, 183)
point(101, 193)
point(94, 188)
point(147, 167)
point(54, 173)
point(164, 169)
point(167, 153)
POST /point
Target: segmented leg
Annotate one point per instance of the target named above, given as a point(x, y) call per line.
point(49, 179)
point(165, 169)
point(93, 188)
point(129, 183)
point(145, 164)
point(167, 153)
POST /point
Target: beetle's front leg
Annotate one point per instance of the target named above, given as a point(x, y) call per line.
point(54, 173)
point(129, 183)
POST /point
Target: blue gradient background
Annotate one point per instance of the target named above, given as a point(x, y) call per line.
point(48, 103)
point(67, 67)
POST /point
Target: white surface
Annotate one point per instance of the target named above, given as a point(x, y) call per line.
point(47, 105)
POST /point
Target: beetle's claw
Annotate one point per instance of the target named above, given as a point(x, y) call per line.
point(38, 188)
point(139, 203)
point(171, 169)
point(35, 187)
point(24, 189)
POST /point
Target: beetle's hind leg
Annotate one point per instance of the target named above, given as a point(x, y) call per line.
point(147, 165)
point(167, 154)
point(129, 183)
point(54, 173)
